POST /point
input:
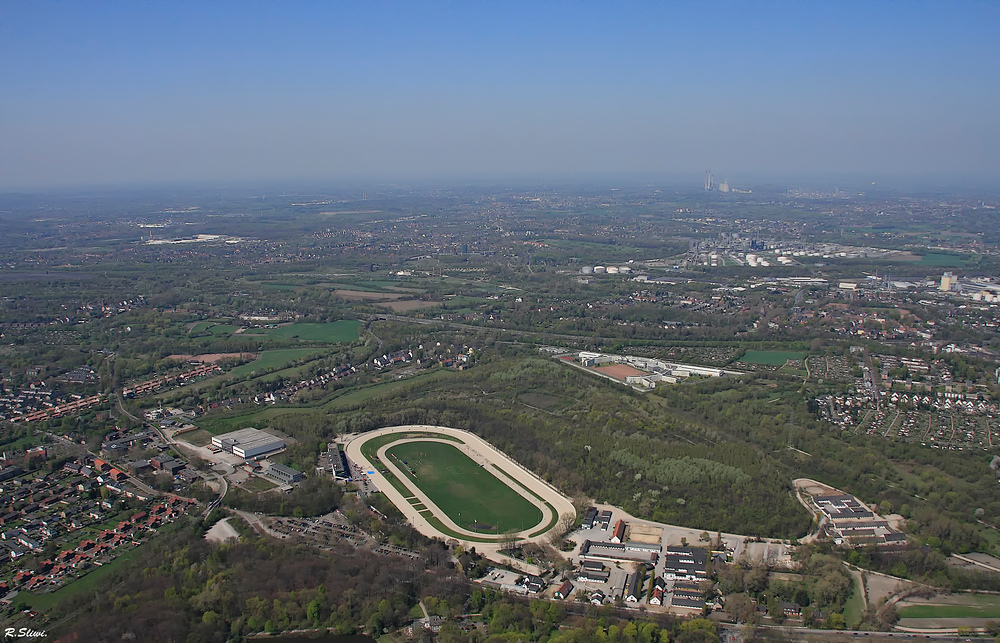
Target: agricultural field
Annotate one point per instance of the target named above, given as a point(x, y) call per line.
point(771, 358)
point(470, 495)
point(338, 332)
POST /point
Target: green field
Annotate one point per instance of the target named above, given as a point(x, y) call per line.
point(359, 395)
point(470, 495)
point(942, 260)
point(972, 606)
point(340, 332)
point(770, 358)
point(273, 359)
point(213, 328)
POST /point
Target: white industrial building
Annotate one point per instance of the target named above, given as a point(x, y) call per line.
point(248, 443)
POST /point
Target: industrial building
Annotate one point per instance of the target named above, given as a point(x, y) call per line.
point(248, 443)
point(283, 474)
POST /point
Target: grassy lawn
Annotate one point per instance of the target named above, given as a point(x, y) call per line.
point(470, 495)
point(273, 359)
point(340, 332)
point(770, 358)
point(854, 609)
point(258, 484)
point(972, 606)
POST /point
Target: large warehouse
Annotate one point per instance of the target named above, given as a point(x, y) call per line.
point(248, 443)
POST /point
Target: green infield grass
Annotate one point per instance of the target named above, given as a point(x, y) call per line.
point(470, 495)
point(770, 358)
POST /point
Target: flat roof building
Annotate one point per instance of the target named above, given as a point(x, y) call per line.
point(283, 474)
point(248, 443)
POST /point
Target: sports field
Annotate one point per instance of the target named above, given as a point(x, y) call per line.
point(341, 332)
point(469, 494)
point(770, 358)
point(619, 371)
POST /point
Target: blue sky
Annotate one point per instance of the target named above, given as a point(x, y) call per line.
point(106, 93)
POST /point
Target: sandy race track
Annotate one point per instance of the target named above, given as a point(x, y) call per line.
point(480, 452)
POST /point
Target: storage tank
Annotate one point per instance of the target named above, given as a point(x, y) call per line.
point(625, 270)
point(600, 270)
point(587, 270)
point(612, 270)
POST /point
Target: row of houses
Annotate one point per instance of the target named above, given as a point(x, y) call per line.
point(106, 545)
point(62, 409)
point(153, 385)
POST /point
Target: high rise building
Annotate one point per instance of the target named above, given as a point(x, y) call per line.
point(709, 181)
point(947, 281)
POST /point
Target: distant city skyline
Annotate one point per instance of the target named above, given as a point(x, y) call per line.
point(109, 94)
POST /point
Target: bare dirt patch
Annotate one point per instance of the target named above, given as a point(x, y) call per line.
point(221, 532)
point(644, 533)
point(619, 371)
point(814, 488)
point(211, 358)
point(408, 305)
point(883, 586)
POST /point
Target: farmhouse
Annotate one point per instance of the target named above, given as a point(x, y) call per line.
point(618, 534)
point(565, 590)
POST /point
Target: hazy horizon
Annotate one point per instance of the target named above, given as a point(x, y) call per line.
point(130, 94)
